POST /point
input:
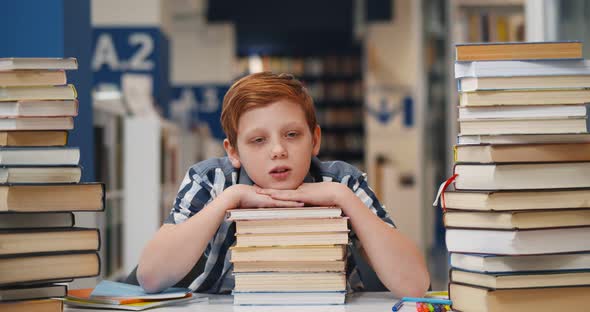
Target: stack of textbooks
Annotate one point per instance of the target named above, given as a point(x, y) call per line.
point(518, 221)
point(40, 248)
point(289, 256)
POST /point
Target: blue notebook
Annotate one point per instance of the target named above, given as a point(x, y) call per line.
point(115, 289)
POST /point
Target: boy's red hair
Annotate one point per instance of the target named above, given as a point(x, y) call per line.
point(261, 89)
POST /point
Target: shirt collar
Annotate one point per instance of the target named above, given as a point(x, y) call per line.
point(311, 177)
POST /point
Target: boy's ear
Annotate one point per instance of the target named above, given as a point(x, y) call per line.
point(317, 140)
point(232, 154)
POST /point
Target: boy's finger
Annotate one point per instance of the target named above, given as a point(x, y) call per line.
point(265, 191)
point(284, 196)
point(287, 203)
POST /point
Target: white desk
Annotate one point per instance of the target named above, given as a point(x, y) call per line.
point(357, 302)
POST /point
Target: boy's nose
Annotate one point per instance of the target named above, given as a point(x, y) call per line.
point(278, 151)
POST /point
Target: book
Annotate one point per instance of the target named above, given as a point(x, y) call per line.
point(49, 156)
point(518, 242)
point(37, 220)
point(29, 241)
point(289, 298)
point(521, 280)
point(39, 108)
point(279, 282)
point(524, 126)
point(66, 92)
point(20, 63)
point(518, 51)
point(517, 200)
point(524, 97)
point(514, 220)
point(522, 112)
point(118, 290)
point(37, 123)
point(291, 226)
point(289, 253)
point(52, 198)
point(33, 138)
point(46, 305)
point(523, 139)
point(29, 292)
point(32, 78)
point(288, 266)
point(501, 264)
point(467, 84)
point(522, 176)
point(522, 68)
point(517, 153)
point(134, 306)
point(39, 174)
point(470, 298)
point(291, 239)
point(48, 267)
point(284, 213)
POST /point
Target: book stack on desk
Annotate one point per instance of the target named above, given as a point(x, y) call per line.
point(40, 248)
point(518, 221)
point(289, 256)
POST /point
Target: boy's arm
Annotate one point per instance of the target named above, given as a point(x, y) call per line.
point(395, 258)
point(175, 248)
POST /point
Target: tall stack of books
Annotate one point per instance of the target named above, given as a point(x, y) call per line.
point(289, 256)
point(40, 187)
point(518, 221)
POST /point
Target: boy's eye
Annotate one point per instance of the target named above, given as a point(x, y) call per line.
point(258, 140)
point(292, 134)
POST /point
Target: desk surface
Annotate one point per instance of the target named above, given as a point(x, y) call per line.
point(357, 302)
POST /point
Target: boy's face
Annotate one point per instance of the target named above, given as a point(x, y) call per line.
point(275, 145)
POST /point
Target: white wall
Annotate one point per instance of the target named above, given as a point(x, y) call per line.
point(126, 13)
point(201, 53)
point(394, 69)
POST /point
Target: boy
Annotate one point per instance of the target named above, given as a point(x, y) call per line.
point(272, 140)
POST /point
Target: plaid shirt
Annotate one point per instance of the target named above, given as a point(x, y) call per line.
point(206, 180)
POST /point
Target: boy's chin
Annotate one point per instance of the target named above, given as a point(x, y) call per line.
point(283, 185)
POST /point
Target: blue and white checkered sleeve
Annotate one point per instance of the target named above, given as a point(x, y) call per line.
point(361, 189)
point(194, 193)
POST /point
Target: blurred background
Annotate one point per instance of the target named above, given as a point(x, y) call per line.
point(152, 76)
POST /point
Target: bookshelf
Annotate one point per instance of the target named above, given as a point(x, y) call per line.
point(139, 160)
point(334, 80)
point(171, 168)
point(109, 113)
point(481, 21)
point(436, 35)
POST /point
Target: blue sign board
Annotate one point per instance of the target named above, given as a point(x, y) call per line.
point(194, 105)
point(117, 50)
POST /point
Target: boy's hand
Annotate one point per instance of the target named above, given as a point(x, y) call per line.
point(316, 194)
point(246, 196)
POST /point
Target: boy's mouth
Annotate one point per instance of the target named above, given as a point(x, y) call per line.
point(280, 172)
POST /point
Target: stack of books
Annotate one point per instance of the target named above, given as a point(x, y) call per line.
point(519, 220)
point(289, 256)
point(40, 248)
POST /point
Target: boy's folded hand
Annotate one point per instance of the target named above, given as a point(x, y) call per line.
point(246, 196)
point(315, 194)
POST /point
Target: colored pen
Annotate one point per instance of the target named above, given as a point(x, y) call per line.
point(427, 300)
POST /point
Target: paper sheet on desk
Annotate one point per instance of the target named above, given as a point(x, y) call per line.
point(139, 306)
point(290, 308)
